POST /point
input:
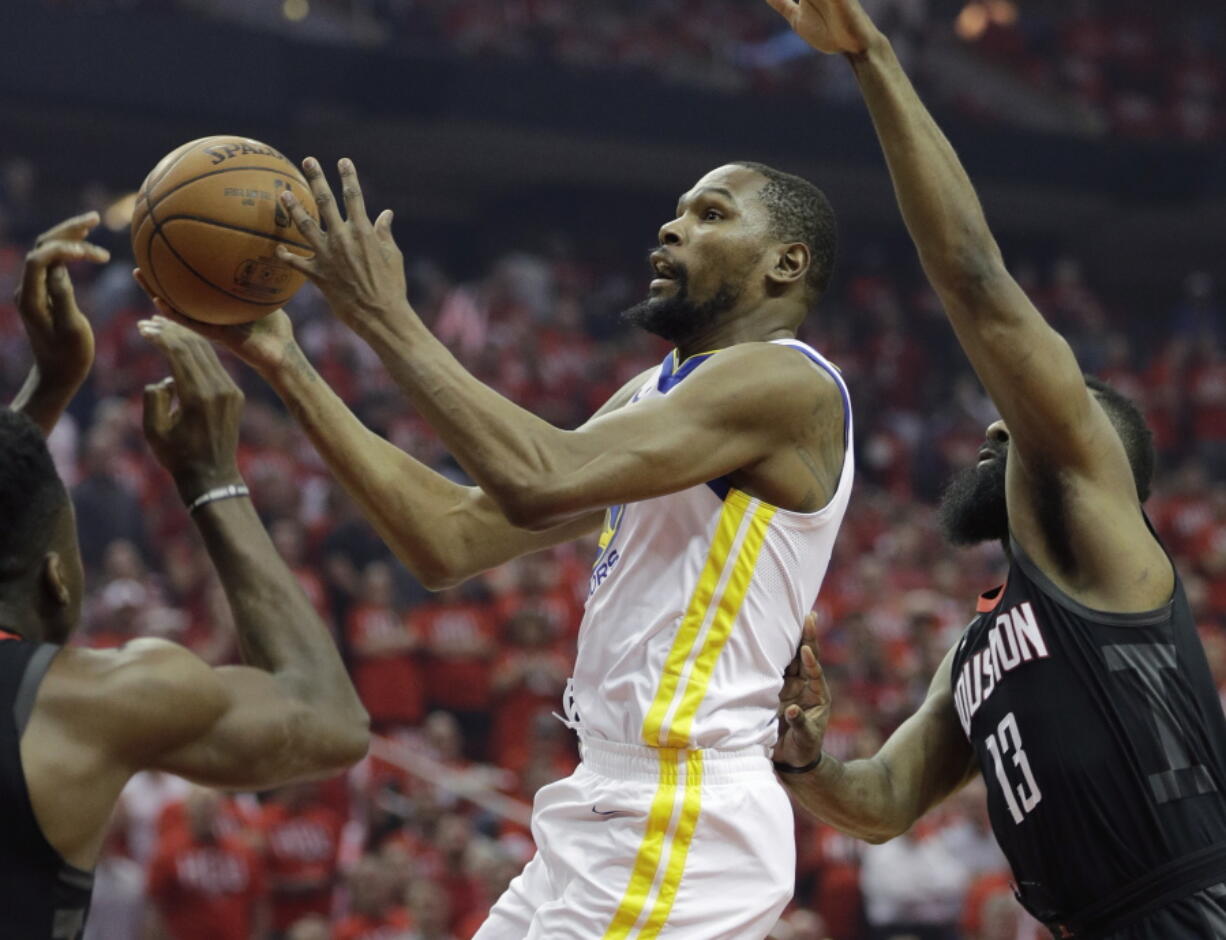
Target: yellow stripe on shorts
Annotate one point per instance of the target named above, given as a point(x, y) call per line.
point(647, 862)
point(690, 808)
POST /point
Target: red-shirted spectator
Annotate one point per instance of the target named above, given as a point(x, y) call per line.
point(529, 678)
point(386, 670)
point(207, 886)
point(374, 913)
point(301, 846)
point(458, 635)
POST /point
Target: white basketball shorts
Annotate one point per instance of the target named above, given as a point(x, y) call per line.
point(654, 842)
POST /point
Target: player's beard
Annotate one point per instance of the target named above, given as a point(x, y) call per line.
point(973, 507)
point(677, 318)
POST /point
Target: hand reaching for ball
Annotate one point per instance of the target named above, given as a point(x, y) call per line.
point(265, 344)
point(356, 265)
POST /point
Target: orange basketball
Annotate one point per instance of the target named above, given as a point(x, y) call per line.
point(207, 222)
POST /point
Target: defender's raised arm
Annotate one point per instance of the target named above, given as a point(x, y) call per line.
point(1061, 440)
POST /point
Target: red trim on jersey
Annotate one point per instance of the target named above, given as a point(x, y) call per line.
point(989, 599)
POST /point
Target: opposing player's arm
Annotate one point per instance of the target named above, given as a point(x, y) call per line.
point(1058, 430)
point(925, 760)
point(292, 712)
point(440, 530)
point(59, 334)
point(734, 411)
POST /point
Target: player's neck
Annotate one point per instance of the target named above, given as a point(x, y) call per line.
point(722, 335)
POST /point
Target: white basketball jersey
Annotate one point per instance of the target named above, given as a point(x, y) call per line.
point(696, 603)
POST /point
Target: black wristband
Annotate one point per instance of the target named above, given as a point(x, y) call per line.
point(789, 769)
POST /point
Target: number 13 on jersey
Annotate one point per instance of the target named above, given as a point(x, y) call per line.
point(1007, 741)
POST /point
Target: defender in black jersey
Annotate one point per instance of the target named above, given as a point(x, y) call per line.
point(1081, 692)
point(76, 724)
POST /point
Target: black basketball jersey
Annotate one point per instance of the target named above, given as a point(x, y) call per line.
point(41, 897)
point(1102, 742)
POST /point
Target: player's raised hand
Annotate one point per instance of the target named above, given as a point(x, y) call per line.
point(357, 266)
point(265, 344)
point(192, 419)
point(829, 25)
point(59, 333)
point(804, 704)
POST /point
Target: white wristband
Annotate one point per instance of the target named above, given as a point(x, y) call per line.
point(222, 492)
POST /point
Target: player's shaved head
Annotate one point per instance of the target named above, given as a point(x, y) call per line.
point(800, 212)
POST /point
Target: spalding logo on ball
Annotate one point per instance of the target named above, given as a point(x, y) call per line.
point(206, 227)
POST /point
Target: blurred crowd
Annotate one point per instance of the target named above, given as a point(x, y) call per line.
point(420, 838)
point(1130, 69)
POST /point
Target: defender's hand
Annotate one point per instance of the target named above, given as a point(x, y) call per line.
point(356, 265)
point(196, 441)
point(265, 344)
point(829, 25)
point(804, 704)
point(60, 335)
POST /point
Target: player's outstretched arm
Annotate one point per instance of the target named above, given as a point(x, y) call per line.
point(443, 532)
point(60, 335)
point(1058, 431)
point(926, 760)
point(291, 712)
point(539, 475)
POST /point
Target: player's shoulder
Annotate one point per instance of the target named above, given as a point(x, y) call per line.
point(142, 675)
point(771, 368)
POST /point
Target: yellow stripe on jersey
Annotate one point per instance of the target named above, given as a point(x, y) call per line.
point(690, 808)
point(726, 530)
point(647, 862)
point(721, 627)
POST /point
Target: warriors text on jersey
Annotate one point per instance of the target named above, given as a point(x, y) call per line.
point(695, 605)
point(1103, 745)
point(41, 897)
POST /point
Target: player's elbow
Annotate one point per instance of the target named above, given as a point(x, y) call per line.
point(966, 270)
point(535, 507)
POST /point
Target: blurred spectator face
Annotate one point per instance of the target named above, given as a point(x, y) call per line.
point(121, 560)
point(310, 928)
point(287, 537)
point(429, 908)
point(452, 835)
point(1000, 918)
point(202, 808)
point(370, 887)
point(377, 585)
point(443, 733)
point(806, 925)
point(529, 630)
point(707, 273)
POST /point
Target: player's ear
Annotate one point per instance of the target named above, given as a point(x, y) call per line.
point(53, 582)
point(791, 265)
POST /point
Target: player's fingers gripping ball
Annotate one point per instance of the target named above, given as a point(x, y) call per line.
point(207, 224)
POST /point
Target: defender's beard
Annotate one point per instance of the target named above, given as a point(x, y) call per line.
point(678, 319)
point(974, 508)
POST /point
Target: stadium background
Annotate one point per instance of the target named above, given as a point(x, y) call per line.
point(531, 148)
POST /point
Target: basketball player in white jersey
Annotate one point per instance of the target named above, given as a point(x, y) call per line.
point(721, 477)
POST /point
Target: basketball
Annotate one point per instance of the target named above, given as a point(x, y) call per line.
point(207, 223)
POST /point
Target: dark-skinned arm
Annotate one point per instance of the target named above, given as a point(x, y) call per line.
point(540, 475)
point(59, 333)
point(291, 711)
point(442, 531)
point(1062, 444)
point(925, 760)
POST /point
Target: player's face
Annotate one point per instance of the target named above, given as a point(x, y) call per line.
point(973, 507)
point(705, 270)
